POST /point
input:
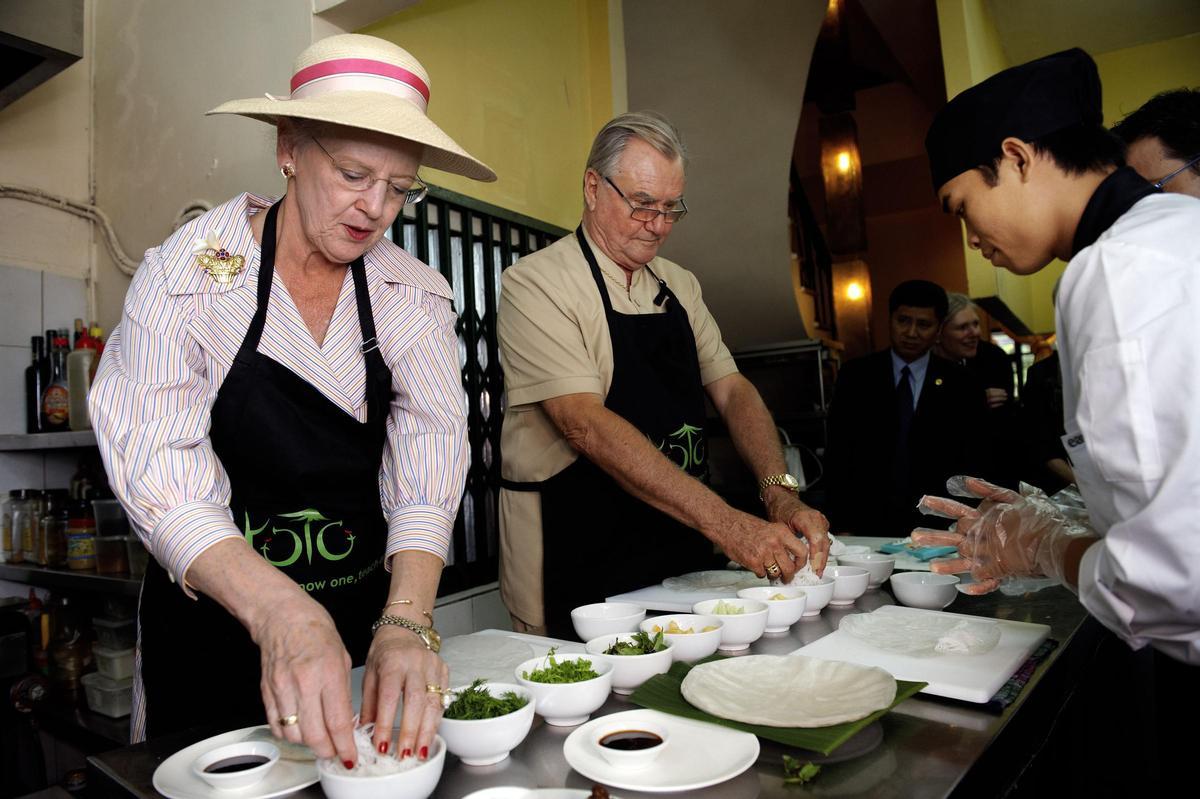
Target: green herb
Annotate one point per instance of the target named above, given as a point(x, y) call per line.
point(564, 671)
point(642, 644)
point(477, 703)
point(797, 772)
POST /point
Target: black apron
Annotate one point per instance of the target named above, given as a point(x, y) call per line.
point(598, 540)
point(305, 493)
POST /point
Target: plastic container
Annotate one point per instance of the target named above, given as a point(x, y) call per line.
point(112, 554)
point(139, 557)
point(110, 517)
point(116, 664)
point(79, 381)
point(108, 697)
point(115, 635)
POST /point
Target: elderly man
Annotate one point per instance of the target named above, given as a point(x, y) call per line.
point(1162, 141)
point(609, 353)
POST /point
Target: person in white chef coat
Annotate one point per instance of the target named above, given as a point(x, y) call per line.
point(1024, 160)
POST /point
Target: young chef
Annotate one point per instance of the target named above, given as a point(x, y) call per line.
point(1023, 159)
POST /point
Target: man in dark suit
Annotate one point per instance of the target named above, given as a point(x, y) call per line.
point(902, 421)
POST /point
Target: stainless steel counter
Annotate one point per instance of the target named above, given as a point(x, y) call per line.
point(926, 747)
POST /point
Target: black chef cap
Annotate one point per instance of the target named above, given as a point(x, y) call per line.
point(1028, 101)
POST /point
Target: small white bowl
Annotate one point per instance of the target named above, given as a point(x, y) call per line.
point(629, 759)
point(417, 782)
point(687, 647)
point(565, 704)
point(849, 583)
point(233, 780)
point(781, 613)
point(879, 565)
point(818, 594)
point(848, 551)
point(482, 742)
point(630, 671)
point(738, 630)
point(602, 618)
point(925, 589)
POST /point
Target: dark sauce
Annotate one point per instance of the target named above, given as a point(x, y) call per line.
point(231, 764)
point(630, 740)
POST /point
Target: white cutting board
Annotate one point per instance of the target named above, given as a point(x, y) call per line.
point(971, 678)
point(659, 597)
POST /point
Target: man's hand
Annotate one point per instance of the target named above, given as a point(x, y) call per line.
point(758, 545)
point(785, 507)
point(996, 397)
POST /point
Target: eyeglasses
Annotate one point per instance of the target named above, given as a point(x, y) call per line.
point(1189, 164)
point(354, 178)
point(643, 213)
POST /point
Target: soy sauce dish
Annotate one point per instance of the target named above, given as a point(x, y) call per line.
point(630, 747)
point(237, 765)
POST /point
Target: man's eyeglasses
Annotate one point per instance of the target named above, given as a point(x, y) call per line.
point(355, 178)
point(1181, 169)
point(643, 213)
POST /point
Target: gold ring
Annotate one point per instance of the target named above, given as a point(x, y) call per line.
point(773, 569)
point(434, 688)
point(290, 721)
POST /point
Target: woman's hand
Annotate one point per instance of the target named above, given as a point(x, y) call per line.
point(306, 674)
point(400, 670)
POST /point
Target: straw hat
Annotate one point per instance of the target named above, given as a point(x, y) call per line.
point(364, 82)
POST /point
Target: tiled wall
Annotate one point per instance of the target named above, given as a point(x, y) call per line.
point(31, 302)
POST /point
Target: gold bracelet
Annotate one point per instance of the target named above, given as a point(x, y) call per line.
point(428, 615)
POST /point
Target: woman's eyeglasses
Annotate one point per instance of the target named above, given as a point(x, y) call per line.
point(355, 178)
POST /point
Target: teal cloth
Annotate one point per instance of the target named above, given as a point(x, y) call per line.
point(662, 692)
point(920, 553)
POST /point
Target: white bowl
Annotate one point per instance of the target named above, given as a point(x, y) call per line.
point(848, 551)
point(925, 589)
point(417, 782)
point(566, 704)
point(739, 630)
point(818, 594)
point(482, 742)
point(233, 780)
point(687, 647)
point(602, 618)
point(630, 671)
point(629, 759)
point(879, 565)
point(781, 613)
point(849, 583)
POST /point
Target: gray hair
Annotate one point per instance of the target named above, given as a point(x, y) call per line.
point(649, 126)
point(956, 302)
point(294, 131)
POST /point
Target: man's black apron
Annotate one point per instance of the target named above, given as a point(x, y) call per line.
point(598, 540)
point(305, 493)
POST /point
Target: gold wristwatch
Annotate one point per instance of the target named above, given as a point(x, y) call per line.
point(428, 635)
point(785, 480)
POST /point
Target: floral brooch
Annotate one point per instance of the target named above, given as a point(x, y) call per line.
point(221, 265)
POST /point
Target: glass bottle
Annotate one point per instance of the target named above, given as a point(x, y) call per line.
point(52, 543)
point(6, 503)
point(56, 399)
point(35, 386)
point(81, 537)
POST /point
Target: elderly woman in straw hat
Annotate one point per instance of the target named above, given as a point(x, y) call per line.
point(282, 416)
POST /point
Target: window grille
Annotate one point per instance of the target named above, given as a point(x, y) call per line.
point(471, 243)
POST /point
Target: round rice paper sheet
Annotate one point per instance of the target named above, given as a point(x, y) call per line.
point(714, 580)
point(788, 690)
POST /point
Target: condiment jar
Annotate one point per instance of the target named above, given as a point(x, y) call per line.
point(81, 537)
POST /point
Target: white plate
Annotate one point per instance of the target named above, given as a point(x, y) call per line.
point(174, 778)
point(698, 754)
point(512, 792)
point(714, 580)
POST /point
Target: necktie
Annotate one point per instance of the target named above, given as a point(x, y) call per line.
point(904, 405)
point(900, 457)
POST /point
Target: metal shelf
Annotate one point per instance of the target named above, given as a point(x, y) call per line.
point(65, 579)
point(14, 442)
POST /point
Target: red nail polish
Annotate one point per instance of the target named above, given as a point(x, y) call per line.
point(383, 747)
point(407, 752)
point(424, 752)
point(347, 764)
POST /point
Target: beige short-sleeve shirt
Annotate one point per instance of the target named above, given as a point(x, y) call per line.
point(554, 341)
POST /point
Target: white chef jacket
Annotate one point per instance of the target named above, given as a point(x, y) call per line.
point(1129, 342)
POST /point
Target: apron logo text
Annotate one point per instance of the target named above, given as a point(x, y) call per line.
point(299, 545)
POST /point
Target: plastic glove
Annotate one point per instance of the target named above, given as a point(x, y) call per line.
point(1010, 536)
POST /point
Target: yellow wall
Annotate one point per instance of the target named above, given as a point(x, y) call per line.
point(1132, 76)
point(521, 84)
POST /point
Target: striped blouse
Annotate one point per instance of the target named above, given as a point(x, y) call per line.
point(178, 336)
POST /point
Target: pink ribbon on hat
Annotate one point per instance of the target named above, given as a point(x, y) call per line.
point(359, 75)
